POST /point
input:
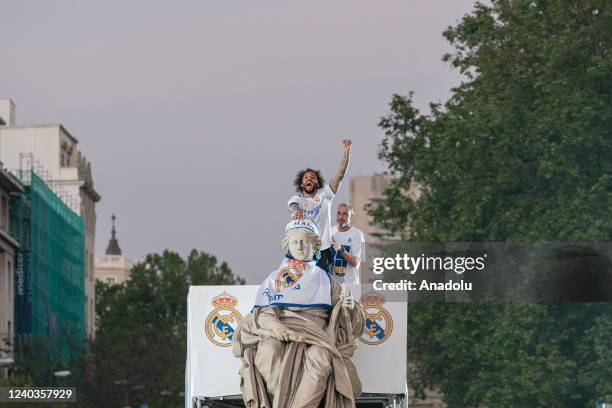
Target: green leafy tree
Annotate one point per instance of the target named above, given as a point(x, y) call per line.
point(520, 152)
point(140, 348)
point(526, 137)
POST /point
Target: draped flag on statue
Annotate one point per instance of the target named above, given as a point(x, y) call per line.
point(296, 284)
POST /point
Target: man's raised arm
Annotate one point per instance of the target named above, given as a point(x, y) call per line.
point(334, 183)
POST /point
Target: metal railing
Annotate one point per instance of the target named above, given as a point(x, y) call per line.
point(377, 400)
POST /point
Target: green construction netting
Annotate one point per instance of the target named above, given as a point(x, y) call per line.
point(52, 267)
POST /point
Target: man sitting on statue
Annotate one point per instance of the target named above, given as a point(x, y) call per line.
point(297, 343)
point(313, 200)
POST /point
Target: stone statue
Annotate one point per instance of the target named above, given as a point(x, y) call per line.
point(297, 343)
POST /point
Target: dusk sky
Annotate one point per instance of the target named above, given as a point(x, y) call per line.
point(196, 114)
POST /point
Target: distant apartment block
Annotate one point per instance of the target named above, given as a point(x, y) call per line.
point(366, 191)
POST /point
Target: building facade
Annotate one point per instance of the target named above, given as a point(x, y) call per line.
point(9, 246)
point(52, 152)
point(366, 191)
point(113, 267)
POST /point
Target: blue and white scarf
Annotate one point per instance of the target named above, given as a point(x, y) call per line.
point(295, 284)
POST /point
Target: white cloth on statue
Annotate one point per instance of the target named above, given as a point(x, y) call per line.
point(296, 284)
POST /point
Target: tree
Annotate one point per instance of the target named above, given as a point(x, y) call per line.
point(140, 348)
point(526, 137)
point(520, 152)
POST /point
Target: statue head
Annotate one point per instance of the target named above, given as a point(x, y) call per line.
point(301, 239)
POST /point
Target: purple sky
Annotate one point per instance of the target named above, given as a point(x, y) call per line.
point(196, 114)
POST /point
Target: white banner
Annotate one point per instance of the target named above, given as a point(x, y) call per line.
point(214, 312)
point(381, 358)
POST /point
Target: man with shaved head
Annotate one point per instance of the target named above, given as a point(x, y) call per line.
point(347, 243)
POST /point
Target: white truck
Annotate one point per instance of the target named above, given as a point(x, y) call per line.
point(211, 372)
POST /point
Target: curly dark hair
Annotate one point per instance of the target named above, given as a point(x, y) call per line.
point(297, 181)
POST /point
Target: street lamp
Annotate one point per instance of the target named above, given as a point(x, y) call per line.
point(6, 362)
point(60, 374)
point(123, 383)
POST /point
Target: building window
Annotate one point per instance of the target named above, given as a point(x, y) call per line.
point(4, 213)
point(65, 153)
point(9, 274)
point(111, 280)
point(86, 264)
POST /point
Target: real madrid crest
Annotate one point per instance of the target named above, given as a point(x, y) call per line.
point(222, 322)
point(289, 275)
point(378, 323)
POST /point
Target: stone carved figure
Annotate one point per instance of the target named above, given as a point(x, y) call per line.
point(297, 343)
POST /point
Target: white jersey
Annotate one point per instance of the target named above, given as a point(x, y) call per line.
point(352, 241)
point(296, 284)
point(318, 209)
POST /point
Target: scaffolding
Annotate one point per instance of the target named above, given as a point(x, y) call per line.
point(50, 267)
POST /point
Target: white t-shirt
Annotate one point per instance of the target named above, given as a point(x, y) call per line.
point(352, 242)
point(318, 209)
